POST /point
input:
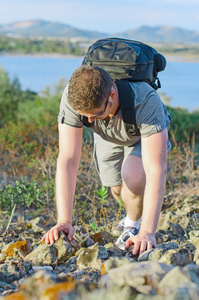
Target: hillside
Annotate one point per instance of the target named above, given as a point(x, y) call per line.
point(40, 28)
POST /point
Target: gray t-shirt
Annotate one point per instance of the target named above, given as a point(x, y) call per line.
point(151, 117)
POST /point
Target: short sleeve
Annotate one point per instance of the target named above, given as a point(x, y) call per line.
point(152, 115)
point(67, 115)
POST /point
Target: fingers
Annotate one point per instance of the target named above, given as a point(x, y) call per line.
point(129, 242)
point(70, 233)
point(140, 244)
point(53, 234)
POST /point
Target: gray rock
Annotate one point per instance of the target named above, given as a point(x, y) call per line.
point(179, 257)
point(114, 293)
point(175, 277)
point(113, 251)
point(142, 276)
point(14, 270)
point(64, 248)
point(156, 254)
point(194, 237)
point(88, 258)
point(177, 283)
point(161, 237)
point(114, 262)
point(102, 238)
point(45, 268)
point(177, 229)
point(145, 255)
point(168, 246)
point(193, 272)
point(103, 253)
point(43, 255)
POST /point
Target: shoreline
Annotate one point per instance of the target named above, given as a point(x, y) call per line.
point(42, 55)
point(169, 58)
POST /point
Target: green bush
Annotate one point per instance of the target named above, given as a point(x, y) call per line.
point(26, 193)
point(184, 124)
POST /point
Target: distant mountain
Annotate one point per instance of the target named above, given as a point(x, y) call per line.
point(39, 28)
point(162, 34)
point(158, 34)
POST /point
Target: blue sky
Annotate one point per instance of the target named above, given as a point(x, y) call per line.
point(109, 16)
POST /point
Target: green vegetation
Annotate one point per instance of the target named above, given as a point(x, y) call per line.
point(13, 45)
point(187, 52)
point(29, 149)
point(30, 46)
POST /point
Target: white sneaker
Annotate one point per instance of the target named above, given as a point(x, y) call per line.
point(119, 228)
point(126, 234)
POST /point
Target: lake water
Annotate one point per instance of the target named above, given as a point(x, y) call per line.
point(180, 80)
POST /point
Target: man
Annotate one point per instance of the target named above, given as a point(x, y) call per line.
point(134, 167)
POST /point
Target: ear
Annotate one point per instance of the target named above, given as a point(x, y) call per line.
point(113, 94)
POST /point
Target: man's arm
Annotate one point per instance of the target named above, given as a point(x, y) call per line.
point(70, 143)
point(154, 157)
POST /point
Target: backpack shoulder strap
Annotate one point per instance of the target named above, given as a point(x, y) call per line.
point(85, 121)
point(126, 96)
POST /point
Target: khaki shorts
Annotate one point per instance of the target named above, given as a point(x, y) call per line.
point(108, 158)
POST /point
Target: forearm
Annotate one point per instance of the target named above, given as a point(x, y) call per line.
point(153, 199)
point(65, 190)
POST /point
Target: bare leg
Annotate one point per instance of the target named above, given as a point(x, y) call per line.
point(116, 192)
point(133, 185)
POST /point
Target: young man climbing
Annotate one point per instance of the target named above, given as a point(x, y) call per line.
point(133, 166)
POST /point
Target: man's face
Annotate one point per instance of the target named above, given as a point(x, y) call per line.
point(98, 113)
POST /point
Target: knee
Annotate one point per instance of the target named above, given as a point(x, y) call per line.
point(134, 181)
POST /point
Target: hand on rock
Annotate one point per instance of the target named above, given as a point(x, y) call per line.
point(53, 234)
point(142, 241)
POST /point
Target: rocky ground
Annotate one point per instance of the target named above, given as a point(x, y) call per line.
point(92, 267)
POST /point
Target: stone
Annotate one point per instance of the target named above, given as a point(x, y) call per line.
point(114, 262)
point(88, 258)
point(113, 293)
point(177, 230)
point(3, 257)
point(196, 255)
point(13, 270)
point(57, 290)
point(165, 219)
point(193, 272)
point(45, 268)
point(34, 286)
point(10, 248)
point(103, 253)
point(15, 296)
point(65, 248)
point(113, 251)
point(58, 252)
point(43, 255)
point(174, 277)
point(102, 238)
point(156, 254)
point(36, 225)
point(177, 283)
point(145, 255)
point(179, 257)
point(142, 276)
point(161, 237)
point(168, 246)
point(194, 237)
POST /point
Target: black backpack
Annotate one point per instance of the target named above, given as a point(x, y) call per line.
point(126, 60)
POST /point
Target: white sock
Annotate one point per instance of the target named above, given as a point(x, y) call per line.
point(129, 223)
